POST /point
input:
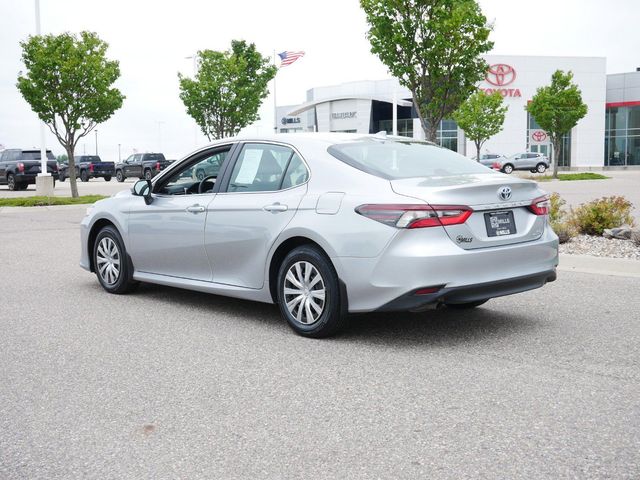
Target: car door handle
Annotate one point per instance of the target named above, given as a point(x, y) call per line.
point(275, 207)
point(195, 209)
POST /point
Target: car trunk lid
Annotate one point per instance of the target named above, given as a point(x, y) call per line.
point(500, 206)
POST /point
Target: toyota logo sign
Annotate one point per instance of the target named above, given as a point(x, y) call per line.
point(539, 136)
point(504, 193)
point(500, 74)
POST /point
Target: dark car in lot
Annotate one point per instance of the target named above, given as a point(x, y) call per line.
point(141, 165)
point(19, 168)
point(89, 166)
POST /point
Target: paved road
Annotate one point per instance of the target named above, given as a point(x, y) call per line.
point(173, 384)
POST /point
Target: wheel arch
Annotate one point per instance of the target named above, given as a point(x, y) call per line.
point(282, 250)
point(93, 233)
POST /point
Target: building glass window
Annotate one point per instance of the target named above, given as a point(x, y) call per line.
point(565, 150)
point(622, 136)
point(447, 135)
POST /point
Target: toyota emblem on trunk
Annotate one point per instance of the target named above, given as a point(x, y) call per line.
point(504, 193)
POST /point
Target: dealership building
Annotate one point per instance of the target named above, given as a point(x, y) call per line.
point(608, 136)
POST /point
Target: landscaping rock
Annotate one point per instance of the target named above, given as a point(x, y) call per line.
point(635, 237)
point(622, 233)
point(601, 247)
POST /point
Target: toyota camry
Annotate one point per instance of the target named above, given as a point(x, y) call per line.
point(325, 225)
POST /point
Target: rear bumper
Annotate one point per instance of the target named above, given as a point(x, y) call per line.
point(30, 178)
point(471, 293)
point(423, 258)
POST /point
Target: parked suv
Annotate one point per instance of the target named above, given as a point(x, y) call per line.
point(141, 165)
point(534, 162)
point(89, 166)
point(488, 159)
point(19, 168)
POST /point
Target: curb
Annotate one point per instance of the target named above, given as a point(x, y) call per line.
point(619, 267)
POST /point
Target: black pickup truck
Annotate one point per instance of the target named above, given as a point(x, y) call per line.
point(19, 168)
point(89, 166)
point(141, 165)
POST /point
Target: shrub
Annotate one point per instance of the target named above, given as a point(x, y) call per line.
point(564, 230)
point(556, 212)
point(608, 212)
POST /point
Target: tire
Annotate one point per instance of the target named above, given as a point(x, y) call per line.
point(107, 178)
point(533, 170)
point(61, 177)
point(11, 182)
point(114, 277)
point(508, 168)
point(147, 174)
point(466, 306)
point(23, 186)
point(329, 314)
point(84, 176)
point(120, 176)
point(541, 168)
point(200, 175)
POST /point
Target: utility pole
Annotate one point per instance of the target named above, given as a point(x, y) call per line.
point(96, 142)
point(44, 181)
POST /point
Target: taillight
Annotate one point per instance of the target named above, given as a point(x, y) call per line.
point(496, 165)
point(157, 165)
point(540, 205)
point(20, 167)
point(91, 167)
point(415, 216)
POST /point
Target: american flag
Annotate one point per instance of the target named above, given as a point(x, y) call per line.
point(287, 58)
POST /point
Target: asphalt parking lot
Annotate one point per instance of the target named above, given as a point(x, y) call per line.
point(166, 383)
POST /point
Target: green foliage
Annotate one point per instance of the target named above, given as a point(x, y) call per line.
point(62, 158)
point(567, 177)
point(68, 84)
point(227, 91)
point(481, 117)
point(558, 219)
point(39, 201)
point(434, 48)
point(557, 108)
point(608, 212)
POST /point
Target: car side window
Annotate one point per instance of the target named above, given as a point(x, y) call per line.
point(260, 168)
point(296, 173)
point(203, 170)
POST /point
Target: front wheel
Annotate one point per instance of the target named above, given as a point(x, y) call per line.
point(120, 176)
point(84, 176)
point(541, 167)
point(61, 177)
point(507, 168)
point(309, 294)
point(11, 182)
point(111, 263)
point(107, 178)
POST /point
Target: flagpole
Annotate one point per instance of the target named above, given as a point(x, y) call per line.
point(275, 108)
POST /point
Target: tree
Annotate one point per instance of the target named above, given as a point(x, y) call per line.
point(228, 89)
point(433, 47)
point(481, 117)
point(557, 108)
point(68, 84)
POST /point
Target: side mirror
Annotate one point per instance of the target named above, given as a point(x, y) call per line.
point(142, 188)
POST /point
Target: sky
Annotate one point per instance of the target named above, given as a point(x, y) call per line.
point(151, 40)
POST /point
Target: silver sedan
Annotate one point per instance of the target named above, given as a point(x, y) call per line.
point(324, 225)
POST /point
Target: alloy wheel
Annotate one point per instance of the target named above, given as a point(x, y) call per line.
point(108, 261)
point(304, 292)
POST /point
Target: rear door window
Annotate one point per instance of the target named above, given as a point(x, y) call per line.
point(260, 168)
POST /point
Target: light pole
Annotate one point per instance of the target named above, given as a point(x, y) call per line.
point(96, 142)
point(44, 181)
point(119, 156)
point(195, 72)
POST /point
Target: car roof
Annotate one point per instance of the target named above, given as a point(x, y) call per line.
point(324, 137)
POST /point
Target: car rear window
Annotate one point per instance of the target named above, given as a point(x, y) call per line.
point(153, 156)
point(393, 159)
point(35, 155)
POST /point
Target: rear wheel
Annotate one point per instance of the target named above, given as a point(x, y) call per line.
point(120, 176)
point(84, 176)
point(61, 177)
point(107, 178)
point(309, 293)
point(508, 168)
point(541, 167)
point(112, 265)
point(148, 175)
point(200, 175)
point(465, 306)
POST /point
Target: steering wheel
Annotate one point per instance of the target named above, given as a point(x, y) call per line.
point(201, 184)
